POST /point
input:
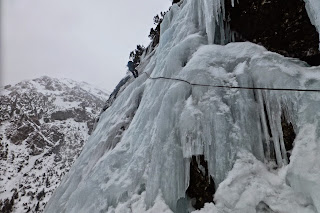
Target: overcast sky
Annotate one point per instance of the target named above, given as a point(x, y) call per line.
point(85, 40)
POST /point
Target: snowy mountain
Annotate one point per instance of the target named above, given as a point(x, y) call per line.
point(44, 124)
point(210, 125)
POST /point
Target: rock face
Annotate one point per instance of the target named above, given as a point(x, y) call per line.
point(44, 124)
point(282, 26)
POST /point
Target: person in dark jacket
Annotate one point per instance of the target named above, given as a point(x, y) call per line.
point(132, 68)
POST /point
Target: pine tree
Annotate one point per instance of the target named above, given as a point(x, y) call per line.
point(37, 207)
point(135, 55)
point(155, 32)
point(47, 183)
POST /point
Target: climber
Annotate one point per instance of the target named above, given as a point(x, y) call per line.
point(132, 68)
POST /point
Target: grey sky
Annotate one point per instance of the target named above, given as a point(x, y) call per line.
point(86, 40)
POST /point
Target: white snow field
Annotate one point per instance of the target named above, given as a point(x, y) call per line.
point(138, 157)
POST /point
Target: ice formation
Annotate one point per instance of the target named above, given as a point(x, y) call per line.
point(138, 157)
point(313, 8)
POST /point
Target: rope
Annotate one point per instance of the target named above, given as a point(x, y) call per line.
point(233, 87)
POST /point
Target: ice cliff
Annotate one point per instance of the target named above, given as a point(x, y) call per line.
point(138, 158)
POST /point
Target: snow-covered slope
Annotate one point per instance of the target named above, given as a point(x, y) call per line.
point(44, 124)
point(138, 158)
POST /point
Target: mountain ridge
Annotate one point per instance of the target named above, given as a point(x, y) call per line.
point(44, 124)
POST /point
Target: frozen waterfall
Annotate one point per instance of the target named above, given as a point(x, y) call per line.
point(138, 157)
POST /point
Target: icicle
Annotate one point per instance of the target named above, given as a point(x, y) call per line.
point(187, 172)
point(216, 9)
point(313, 8)
point(208, 6)
point(262, 151)
point(264, 124)
point(222, 31)
point(282, 146)
point(273, 114)
point(223, 10)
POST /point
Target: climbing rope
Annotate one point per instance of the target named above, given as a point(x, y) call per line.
point(232, 87)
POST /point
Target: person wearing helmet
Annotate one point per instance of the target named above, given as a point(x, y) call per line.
point(132, 68)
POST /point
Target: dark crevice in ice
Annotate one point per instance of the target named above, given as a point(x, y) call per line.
point(313, 60)
point(201, 186)
point(271, 147)
point(288, 135)
point(267, 119)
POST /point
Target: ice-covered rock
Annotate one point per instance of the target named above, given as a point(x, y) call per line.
point(288, 31)
point(143, 144)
